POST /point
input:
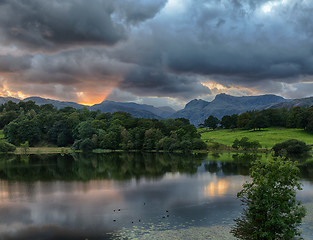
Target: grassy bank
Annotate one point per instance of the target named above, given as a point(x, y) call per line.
point(43, 150)
point(267, 137)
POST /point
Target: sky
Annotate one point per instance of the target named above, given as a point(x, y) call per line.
point(158, 52)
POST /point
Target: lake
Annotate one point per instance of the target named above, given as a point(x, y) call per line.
point(126, 196)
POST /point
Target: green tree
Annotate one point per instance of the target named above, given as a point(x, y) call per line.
point(211, 122)
point(272, 211)
point(6, 147)
point(152, 137)
point(28, 130)
point(86, 145)
point(229, 121)
point(84, 130)
point(243, 120)
point(198, 144)
point(259, 120)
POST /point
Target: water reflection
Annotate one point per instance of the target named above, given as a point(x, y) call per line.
point(105, 196)
point(119, 166)
point(216, 188)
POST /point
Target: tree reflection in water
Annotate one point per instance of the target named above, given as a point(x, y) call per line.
point(84, 167)
point(123, 166)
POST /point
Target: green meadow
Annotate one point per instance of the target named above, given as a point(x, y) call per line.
point(267, 137)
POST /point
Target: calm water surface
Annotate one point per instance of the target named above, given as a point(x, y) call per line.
point(124, 196)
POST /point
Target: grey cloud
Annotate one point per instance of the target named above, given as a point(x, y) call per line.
point(135, 11)
point(122, 96)
point(9, 63)
point(148, 81)
point(233, 41)
point(62, 75)
point(70, 67)
point(54, 24)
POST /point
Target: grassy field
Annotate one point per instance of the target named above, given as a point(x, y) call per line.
point(267, 137)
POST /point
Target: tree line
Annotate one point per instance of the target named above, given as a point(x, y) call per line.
point(296, 117)
point(86, 130)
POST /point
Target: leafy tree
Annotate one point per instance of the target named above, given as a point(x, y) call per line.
point(272, 211)
point(60, 134)
point(260, 120)
point(211, 122)
point(186, 146)
point(243, 120)
point(167, 143)
point(6, 147)
point(152, 137)
point(28, 130)
point(7, 117)
point(86, 145)
point(198, 144)
point(309, 126)
point(110, 141)
point(297, 118)
point(229, 121)
point(84, 130)
point(11, 132)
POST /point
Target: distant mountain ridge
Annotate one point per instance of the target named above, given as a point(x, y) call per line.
point(198, 110)
point(6, 99)
point(135, 109)
point(57, 104)
point(302, 102)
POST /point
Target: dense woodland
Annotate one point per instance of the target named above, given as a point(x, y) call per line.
point(86, 130)
point(296, 117)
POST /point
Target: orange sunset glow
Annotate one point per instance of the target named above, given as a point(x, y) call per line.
point(216, 188)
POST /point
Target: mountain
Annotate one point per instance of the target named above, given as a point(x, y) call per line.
point(302, 102)
point(135, 109)
point(6, 99)
point(57, 104)
point(198, 110)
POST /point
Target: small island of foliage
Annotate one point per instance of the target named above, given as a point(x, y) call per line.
point(87, 130)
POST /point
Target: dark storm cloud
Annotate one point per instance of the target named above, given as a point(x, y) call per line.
point(234, 42)
point(154, 82)
point(9, 63)
point(158, 48)
point(53, 24)
point(70, 67)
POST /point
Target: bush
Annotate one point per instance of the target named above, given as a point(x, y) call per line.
point(245, 144)
point(6, 147)
point(291, 147)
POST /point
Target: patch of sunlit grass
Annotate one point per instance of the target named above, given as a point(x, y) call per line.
point(267, 137)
